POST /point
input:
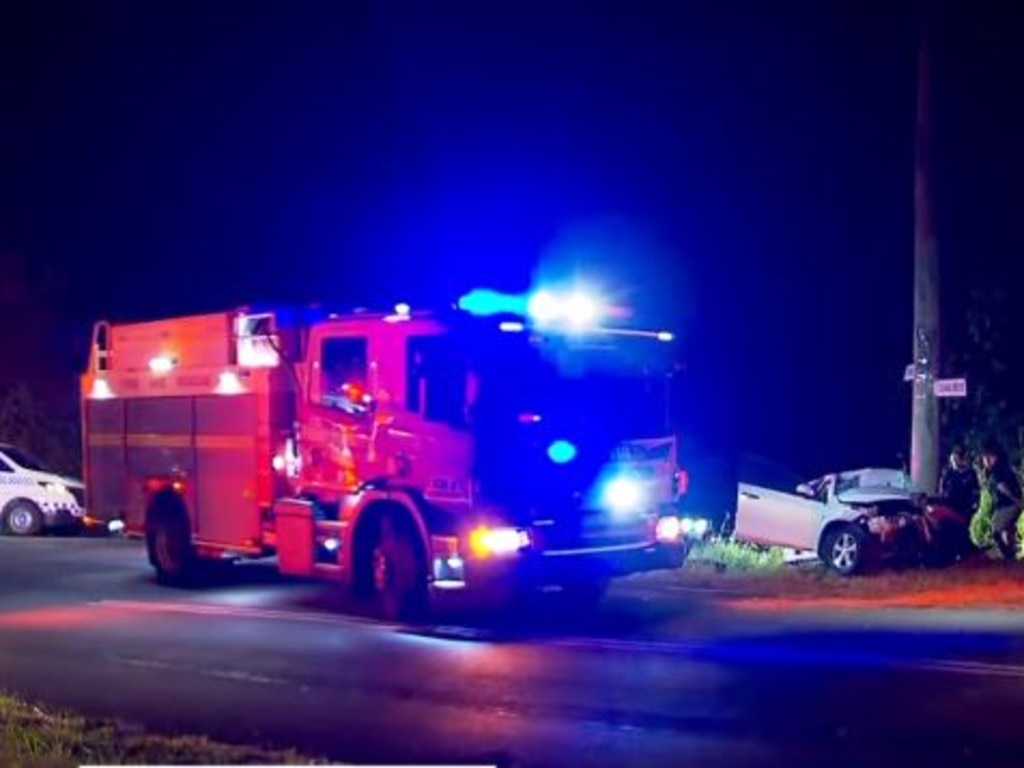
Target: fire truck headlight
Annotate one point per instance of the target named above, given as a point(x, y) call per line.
point(668, 530)
point(498, 541)
point(623, 494)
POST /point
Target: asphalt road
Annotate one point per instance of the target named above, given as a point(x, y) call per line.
point(658, 677)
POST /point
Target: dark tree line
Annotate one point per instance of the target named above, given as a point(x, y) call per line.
point(41, 356)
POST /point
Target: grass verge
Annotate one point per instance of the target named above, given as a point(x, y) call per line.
point(756, 577)
point(31, 737)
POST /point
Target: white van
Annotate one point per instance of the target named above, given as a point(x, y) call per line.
point(33, 499)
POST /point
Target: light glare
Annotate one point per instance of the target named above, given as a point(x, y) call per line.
point(623, 494)
point(161, 364)
point(668, 529)
point(543, 307)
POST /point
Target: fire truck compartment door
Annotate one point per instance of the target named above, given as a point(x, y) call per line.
point(294, 528)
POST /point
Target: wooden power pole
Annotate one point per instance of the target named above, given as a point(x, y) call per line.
point(924, 441)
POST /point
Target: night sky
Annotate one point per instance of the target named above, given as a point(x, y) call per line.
point(743, 171)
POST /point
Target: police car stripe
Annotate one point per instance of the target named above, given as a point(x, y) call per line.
point(11, 479)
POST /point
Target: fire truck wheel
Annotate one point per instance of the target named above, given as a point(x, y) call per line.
point(22, 518)
point(170, 549)
point(399, 575)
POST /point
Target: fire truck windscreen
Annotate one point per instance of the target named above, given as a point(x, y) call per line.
point(549, 412)
point(554, 378)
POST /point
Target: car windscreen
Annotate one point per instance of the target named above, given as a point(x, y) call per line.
point(22, 459)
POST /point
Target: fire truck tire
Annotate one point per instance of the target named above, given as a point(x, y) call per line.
point(399, 573)
point(22, 518)
point(170, 550)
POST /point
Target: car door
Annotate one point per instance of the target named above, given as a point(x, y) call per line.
point(12, 482)
point(774, 518)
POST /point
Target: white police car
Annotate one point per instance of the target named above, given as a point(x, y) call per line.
point(33, 499)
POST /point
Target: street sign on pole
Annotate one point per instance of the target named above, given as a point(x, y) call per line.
point(951, 388)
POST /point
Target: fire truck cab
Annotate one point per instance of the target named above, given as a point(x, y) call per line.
point(401, 454)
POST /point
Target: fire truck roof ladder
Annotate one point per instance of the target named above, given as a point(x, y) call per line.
point(256, 340)
point(100, 357)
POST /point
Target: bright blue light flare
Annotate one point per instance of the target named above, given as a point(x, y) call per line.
point(543, 307)
point(561, 452)
point(665, 336)
point(483, 302)
point(582, 310)
point(623, 494)
point(578, 310)
point(511, 327)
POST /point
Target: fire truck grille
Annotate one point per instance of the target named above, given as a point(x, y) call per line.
point(591, 531)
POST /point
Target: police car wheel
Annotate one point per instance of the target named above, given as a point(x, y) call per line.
point(23, 518)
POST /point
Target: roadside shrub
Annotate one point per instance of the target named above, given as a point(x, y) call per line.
point(981, 525)
point(735, 556)
point(981, 522)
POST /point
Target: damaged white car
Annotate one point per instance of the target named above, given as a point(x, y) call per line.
point(842, 518)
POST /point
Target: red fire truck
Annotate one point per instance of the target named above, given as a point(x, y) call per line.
point(400, 454)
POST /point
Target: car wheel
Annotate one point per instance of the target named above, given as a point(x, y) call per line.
point(399, 575)
point(843, 549)
point(23, 518)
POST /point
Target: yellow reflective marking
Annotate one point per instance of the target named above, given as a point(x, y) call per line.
point(106, 440)
point(225, 441)
point(148, 440)
point(159, 441)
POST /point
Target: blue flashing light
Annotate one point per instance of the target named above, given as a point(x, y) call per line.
point(511, 327)
point(482, 301)
point(561, 452)
point(543, 307)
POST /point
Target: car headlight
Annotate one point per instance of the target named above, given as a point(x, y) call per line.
point(498, 541)
point(57, 489)
point(623, 494)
